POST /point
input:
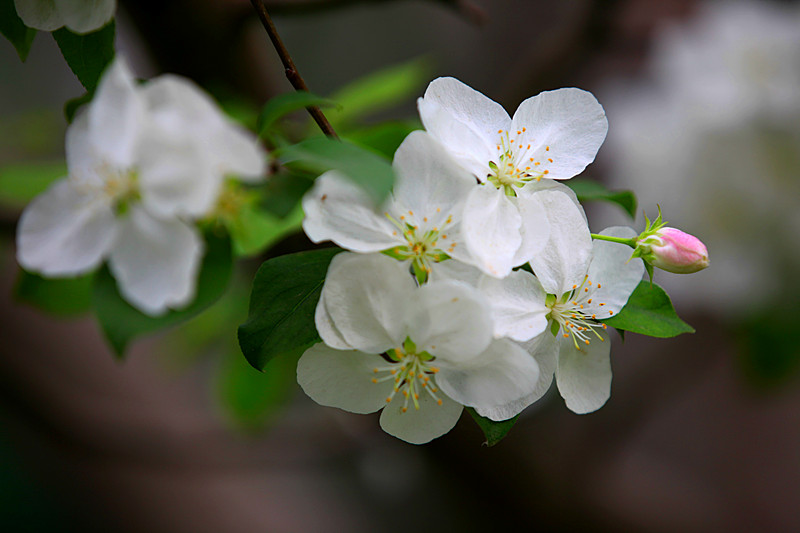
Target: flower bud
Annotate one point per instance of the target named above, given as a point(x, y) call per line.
point(672, 250)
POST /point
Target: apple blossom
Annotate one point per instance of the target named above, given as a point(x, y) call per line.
point(559, 311)
point(553, 135)
point(80, 16)
point(135, 185)
point(673, 250)
point(420, 222)
point(418, 353)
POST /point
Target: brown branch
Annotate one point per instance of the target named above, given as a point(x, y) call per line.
point(292, 73)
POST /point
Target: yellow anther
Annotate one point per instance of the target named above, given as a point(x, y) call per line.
point(549, 159)
point(444, 236)
point(402, 217)
point(581, 306)
point(438, 210)
point(589, 301)
point(574, 287)
point(546, 148)
point(439, 401)
point(499, 131)
point(416, 396)
point(611, 312)
point(375, 370)
point(601, 304)
point(605, 326)
point(587, 342)
point(523, 129)
point(389, 399)
point(424, 219)
point(594, 317)
point(566, 335)
point(598, 285)
point(434, 369)
point(392, 371)
point(405, 393)
point(586, 289)
point(519, 132)
point(374, 380)
point(546, 172)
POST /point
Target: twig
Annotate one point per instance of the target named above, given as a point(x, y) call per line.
point(292, 74)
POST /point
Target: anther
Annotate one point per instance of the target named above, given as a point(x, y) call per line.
point(549, 159)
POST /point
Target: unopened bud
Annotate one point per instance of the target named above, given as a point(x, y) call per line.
point(672, 250)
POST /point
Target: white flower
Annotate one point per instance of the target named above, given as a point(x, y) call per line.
point(420, 222)
point(80, 16)
point(135, 184)
point(577, 283)
point(420, 353)
point(553, 135)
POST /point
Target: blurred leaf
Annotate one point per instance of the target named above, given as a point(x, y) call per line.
point(13, 29)
point(87, 55)
point(254, 230)
point(384, 138)
point(365, 168)
point(283, 191)
point(72, 106)
point(494, 431)
point(21, 183)
point(59, 296)
point(122, 323)
point(380, 90)
point(770, 354)
point(649, 311)
point(286, 103)
point(588, 191)
point(285, 293)
point(250, 397)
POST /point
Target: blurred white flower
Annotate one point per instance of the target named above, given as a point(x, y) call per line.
point(141, 169)
point(80, 16)
point(418, 353)
point(553, 135)
point(713, 136)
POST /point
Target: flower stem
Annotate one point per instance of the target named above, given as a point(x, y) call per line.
point(292, 74)
point(630, 242)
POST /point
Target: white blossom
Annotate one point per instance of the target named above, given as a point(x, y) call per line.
point(558, 312)
point(136, 183)
point(80, 16)
point(418, 353)
point(552, 136)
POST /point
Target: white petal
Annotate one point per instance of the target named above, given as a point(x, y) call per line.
point(179, 107)
point(64, 231)
point(466, 146)
point(617, 274)
point(39, 14)
point(237, 151)
point(491, 229)
point(83, 16)
point(340, 211)
point(570, 122)
point(517, 303)
point(535, 228)
point(116, 116)
point(449, 320)
point(83, 161)
point(342, 378)
point(366, 298)
point(456, 270)
point(503, 373)
point(176, 179)
point(543, 348)
point(563, 262)
point(429, 183)
point(531, 188)
point(156, 262)
point(326, 328)
point(423, 425)
point(480, 114)
point(584, 375)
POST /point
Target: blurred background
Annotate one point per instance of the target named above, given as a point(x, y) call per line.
point(702, 432)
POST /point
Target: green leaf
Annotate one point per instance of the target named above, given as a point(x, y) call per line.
point(384, 138)
point(588, 191)
point(13, 29)
point(365, 168)
point(494, 431)
point(59, 296)
point(87, 55)
point(252, 398)
point(283, 191)
point(21, 183)
point(122, 323)
point(649, 311)
point(287, 103)
point(253, 231)
point(379, 90)
point(285, 293)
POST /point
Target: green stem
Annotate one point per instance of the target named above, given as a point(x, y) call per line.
point(630, 242)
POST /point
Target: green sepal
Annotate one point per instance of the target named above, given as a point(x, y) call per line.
point(493, 431)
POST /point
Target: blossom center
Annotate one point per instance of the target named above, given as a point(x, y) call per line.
point(412, 372)
point(515, 165)
point(423, 247)
point(572, 315)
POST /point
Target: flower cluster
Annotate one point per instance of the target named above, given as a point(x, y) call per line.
point(477, 281)
point(145, 163)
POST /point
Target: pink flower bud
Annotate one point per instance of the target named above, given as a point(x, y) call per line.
point(675, 251)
